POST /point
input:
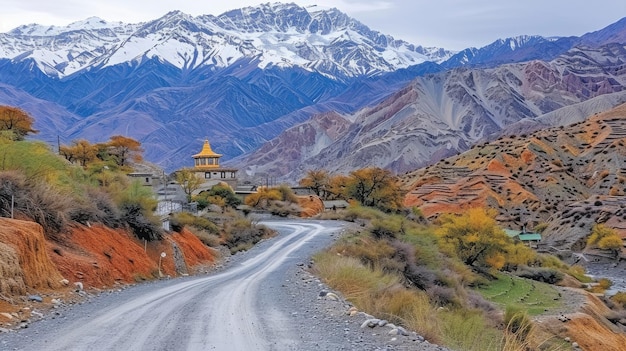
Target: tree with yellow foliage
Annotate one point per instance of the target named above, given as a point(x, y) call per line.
point(605, 238)
point(375, 187)
point(336, 187)
point(17, 121)
point(188, 180)
point(81, 151)
point(124, 149)
point(316, 180)
point(474, 237)
point(263, 197)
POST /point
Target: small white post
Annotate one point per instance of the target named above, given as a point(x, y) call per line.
point(160, 258)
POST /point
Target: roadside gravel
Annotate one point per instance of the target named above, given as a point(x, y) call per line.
point(323, 317)
point(318, 311)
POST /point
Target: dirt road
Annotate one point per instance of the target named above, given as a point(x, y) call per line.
point(217, 312)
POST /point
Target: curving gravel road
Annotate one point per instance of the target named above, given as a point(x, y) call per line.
point(263, 300)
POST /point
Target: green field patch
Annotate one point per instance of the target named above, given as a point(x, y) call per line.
point(528, 295)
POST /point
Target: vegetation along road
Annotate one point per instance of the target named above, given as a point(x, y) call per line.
point(250, 305)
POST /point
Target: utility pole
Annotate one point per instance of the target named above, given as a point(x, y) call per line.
point(165, 186)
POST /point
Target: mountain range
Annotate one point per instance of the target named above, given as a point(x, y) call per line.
point(244, 77)
point(440, 115)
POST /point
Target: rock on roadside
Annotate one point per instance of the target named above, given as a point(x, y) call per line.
point(322, 309)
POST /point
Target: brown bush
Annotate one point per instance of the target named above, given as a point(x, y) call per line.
point(241, 234)
point(96, 207)
point(33, 200)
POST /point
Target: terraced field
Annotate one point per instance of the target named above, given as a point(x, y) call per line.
point(529, 295)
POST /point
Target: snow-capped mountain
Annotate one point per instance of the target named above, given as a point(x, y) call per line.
point(61, 51)
point(515, 49)
point(285, 35)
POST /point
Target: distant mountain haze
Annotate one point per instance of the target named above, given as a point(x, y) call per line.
point(244, 77)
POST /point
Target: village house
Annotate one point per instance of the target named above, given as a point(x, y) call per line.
point(530, 239)
point(207, 167)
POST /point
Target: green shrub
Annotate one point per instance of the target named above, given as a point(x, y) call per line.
point(35, 161)
point(287, 194)
point(207, 238)
point(605, 283)
point(184, 219)
point(468, 330)
point(221, 191)
point(620, 299)
point(417, 212)
point(36, 200)
point(579, 273)
point(362, 212)
point(387, 228)
point(143, 224)
point(240, 234)
point(539, 228)
point(96, 207)
point(284, 208)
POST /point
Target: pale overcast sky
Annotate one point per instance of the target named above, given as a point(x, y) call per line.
point(451, 24)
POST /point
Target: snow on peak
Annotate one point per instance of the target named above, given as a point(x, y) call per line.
point(318, 8)
point(317, 38)
point(515, 43)
point(91, 23)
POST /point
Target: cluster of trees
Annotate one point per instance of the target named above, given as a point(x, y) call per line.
point(38, 185)
point(221, 195)
point(119, 151)
point(187, 179)
point(372, 187)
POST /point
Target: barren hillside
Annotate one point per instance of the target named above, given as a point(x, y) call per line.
point(568, 178)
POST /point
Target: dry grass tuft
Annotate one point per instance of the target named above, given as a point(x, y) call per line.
point(11, 275)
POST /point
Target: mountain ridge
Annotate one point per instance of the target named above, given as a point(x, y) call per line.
point(441, 114)
point(312, 40)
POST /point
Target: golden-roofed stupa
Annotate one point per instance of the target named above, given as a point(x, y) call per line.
point(207, 167)
point(206, 158)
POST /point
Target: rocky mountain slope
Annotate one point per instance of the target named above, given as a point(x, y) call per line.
point(534, 47)
point(566, 178)
point(439, 115)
